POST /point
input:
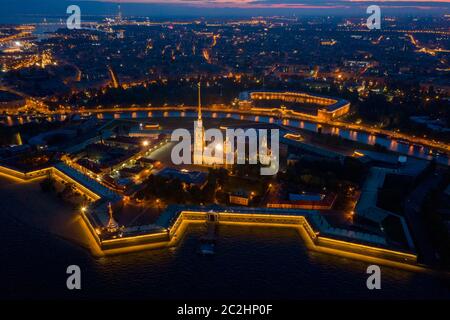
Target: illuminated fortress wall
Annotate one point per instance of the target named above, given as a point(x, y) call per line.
point(332, 113)
point(25, 176)
point(312, 237)
point(326, 108)
point(173, 228)
point(296, 97)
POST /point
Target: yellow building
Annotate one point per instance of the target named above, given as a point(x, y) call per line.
point(323, 108)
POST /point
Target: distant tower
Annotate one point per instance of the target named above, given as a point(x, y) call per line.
point(119, 14)
point(112, 226)
point(199, 131)
point(199, 101)
point(113, 77)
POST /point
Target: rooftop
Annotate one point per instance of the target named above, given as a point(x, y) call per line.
point(190, 177)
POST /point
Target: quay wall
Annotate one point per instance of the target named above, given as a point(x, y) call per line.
point(161, 238)
point(78, 185)
point(318, 241)
point(24, 175)
point(169, 236)
point(366, 250)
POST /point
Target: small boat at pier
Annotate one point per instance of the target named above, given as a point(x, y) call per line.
point(208, 241)
point(207, 247)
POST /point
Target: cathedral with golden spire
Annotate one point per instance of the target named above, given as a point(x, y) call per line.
point(221, 149)
point(199, 131)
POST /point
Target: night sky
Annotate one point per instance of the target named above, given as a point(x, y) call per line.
point(290, 3)
point(9, 8)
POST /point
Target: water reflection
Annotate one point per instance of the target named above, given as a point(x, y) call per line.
point(257, 262)
point(394, 145)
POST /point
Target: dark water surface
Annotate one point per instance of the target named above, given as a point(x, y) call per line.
point(258, 263)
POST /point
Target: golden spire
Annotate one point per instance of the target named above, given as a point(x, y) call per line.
point(199, 101)
point(110, 212)
point(112, 225)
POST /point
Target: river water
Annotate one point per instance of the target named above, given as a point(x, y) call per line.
point(401, 147)
point(362, 137)
point(250, 262)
